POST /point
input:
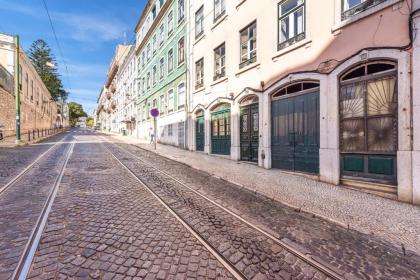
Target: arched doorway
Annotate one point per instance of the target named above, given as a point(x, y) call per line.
point(199, 130)
point(369, 122)
point(295, 127)
point(220, 130)
point(249, 128)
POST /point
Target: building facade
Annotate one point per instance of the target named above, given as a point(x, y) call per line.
point(110, 89)
point(126, 95)
point(162, 70)
point(38, 109)
point(318, 90)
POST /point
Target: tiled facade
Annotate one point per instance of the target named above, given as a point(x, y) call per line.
point(162, 70)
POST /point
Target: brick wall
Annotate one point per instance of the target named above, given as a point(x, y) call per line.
point(7, 112)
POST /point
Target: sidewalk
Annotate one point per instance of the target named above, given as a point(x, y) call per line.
point(396, 222)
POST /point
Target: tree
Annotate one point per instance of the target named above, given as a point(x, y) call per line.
point(75, 111)
point(45, 64)
point(90, 122)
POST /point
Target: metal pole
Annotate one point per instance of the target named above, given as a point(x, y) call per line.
point(17, 88)
point(155, 125)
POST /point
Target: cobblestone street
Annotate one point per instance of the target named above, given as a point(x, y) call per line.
point(90, 208)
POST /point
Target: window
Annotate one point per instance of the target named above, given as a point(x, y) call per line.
point(181, 10)
point(148, 80)
point(199, 73)
point(248, 45)
point(170, 60)
point(148, 52)
point(170, 130)
point(162, 104)
point(369, 121)
point(291, 23)
point(181, 51)
point(219, 62)
point(154, 75)
point(155, 46)
point(162, 68)
point(170, 22)
point(199, 19)
point(32, 90)
point(162, 34)
point(181, 96)
point(352, 7)
point(170, 100)
point(219, 9)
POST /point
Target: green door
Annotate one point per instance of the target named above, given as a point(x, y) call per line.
point(220, 132)
point(295, 133)
point(249, 132)
point(199, 133)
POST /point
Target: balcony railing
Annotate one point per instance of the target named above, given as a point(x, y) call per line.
point(248, 62)
point(6, 80)
point(360, 8)
point(291, 41)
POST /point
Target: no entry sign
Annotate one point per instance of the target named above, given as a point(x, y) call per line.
point(154, 112)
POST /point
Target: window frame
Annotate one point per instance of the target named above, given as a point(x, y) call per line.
point(253, 59)
point(170, 60)
point(180, 62)
point(161, 68)
point(357, 9)
point(181, 16)
point(222, 58)
point(297, 37)
point(181, 104)
point(199, 21)
point(170, 19)
point(171, 95)
point(199, 81)
point(222, 9)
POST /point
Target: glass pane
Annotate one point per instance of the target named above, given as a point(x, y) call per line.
point(353, 135)
point(381, 97)
point(299, 24)
point(227, 116)
point(352, 101)
point(215, 128)
point(284, 35)
point(245, 123)
point(381, 134)
point(255, 122)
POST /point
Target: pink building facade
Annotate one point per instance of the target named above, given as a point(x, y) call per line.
point(327, 91)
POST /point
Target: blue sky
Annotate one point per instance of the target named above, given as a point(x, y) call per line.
point(87, 30)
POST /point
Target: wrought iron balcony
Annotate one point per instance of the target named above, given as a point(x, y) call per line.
point(360, 8)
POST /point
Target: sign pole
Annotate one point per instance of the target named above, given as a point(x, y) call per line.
point(154, 125)
point(155, 113)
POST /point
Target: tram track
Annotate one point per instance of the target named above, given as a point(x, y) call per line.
point(16, 178)
point(314, 262)
point(26, 259)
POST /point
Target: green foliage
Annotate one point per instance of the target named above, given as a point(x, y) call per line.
point(76, 111)
point(45, 64)
point(89, 122)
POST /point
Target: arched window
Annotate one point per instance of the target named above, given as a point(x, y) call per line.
point(300, 87)
point(368, 121)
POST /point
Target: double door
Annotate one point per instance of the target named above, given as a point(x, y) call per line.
point(295, 133)
point(249, 132)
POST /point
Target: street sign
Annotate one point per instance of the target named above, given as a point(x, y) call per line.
point(154, 112)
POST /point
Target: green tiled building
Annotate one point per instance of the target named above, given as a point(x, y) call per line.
point(162, 66)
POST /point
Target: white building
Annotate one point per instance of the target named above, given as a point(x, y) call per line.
point(125, 96)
